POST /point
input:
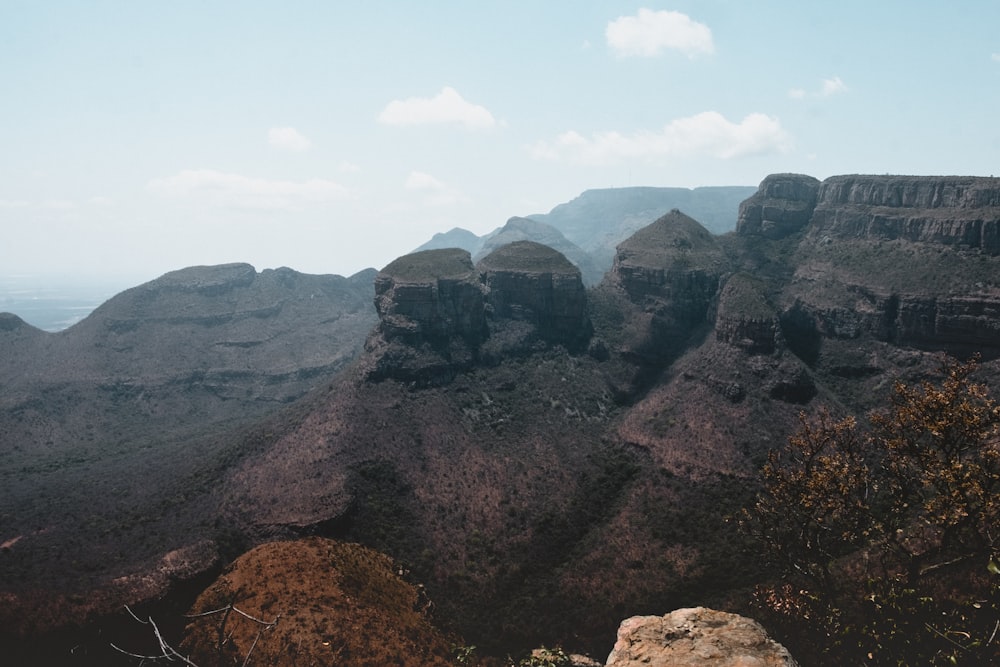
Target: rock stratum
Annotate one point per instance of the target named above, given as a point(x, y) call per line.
point(545, 458)
point(440, 314)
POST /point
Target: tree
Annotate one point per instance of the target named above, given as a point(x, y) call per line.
point(891, 537)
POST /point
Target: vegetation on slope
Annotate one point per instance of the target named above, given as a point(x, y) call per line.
point(890, 536)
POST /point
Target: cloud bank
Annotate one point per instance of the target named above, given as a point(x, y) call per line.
point(227, 189)
point(444, 108)
point(707, 134)
point(649, 33)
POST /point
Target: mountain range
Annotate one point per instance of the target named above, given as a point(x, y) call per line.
point(545, 455)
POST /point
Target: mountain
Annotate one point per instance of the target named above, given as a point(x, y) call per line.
point(588, 228)
point(113, 432)
point(454, 238)
point(548, 459)
point(525, 229)
point(598, 220)
point(559, 491)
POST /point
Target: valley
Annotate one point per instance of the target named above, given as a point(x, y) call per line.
point(540, 452)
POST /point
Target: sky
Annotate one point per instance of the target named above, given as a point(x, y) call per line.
point(139, 137)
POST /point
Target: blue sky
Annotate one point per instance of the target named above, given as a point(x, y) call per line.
point(141, 137)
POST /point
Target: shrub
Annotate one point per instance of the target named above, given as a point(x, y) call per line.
point(891, 537)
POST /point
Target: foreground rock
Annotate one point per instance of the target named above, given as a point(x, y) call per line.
point(331, 603)
point(698, 636)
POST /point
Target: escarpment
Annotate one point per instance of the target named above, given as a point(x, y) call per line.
point(905, 260)
point(963, 212)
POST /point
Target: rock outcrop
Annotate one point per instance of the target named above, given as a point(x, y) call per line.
point(745, 317)
point(671, 269)
point(963, 212)
point(697, 637)
point(432, 317)
point(782, 205)
point(431, 297)
point(531, 282)
point(439, 314)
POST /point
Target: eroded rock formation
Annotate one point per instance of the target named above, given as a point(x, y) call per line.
point(530, 282)
point(745, 317)
point(439, 314)
point(963, 212)
point(671, 269)
point(783, 204)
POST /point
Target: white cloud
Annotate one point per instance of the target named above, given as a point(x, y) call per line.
point(445, 107)
point(648, 33)
point(225, 189)
point(831, 86)
point(436, 193)
point(707, 134)
point(287, 139)
point(13, 203)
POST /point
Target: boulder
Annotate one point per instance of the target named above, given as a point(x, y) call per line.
point(696, 637)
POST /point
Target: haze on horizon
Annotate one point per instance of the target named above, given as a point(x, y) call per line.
point(139, 138)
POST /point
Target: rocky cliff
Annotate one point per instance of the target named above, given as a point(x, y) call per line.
point(962, 212)
point(534, 283)
point(671, 269)
point(904, 260)
point(783, 204)
point(439, 314)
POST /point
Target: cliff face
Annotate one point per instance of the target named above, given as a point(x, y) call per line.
point(904, 260)
point(439, 314)
point(671, 269)
point(431, 296)
point(531, 282)
point(963, 212)
point(783, 204)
